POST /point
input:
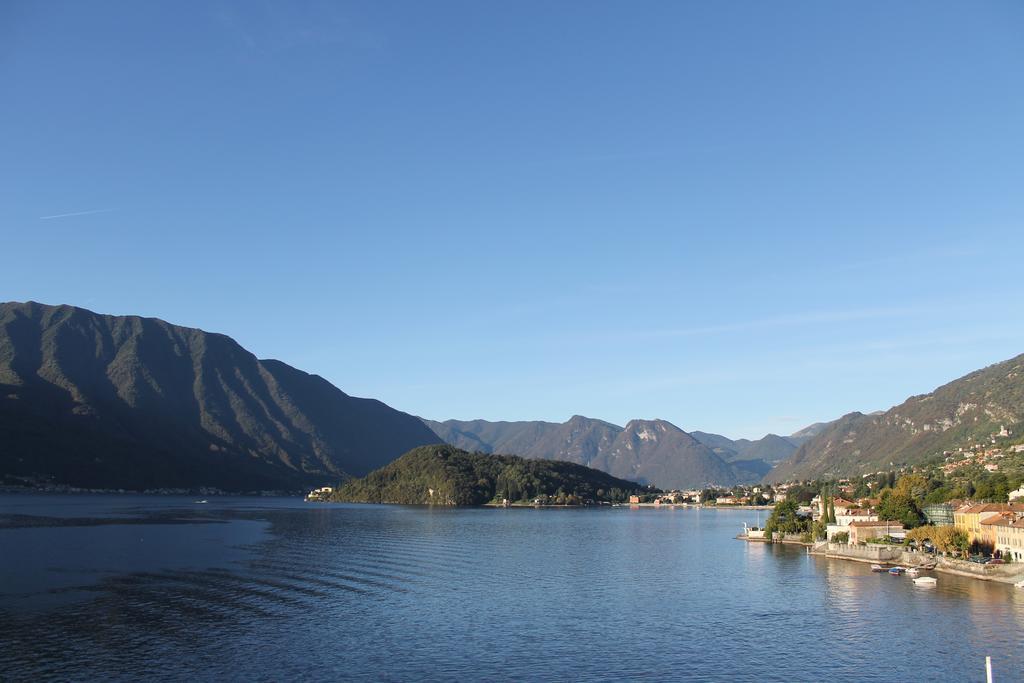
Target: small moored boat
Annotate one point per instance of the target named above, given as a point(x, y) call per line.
point(925, 581)
point(877, 568)
point(913, 571)
point(1019, 584)
point(896, 571)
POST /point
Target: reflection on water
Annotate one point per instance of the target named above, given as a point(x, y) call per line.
point(100, 587)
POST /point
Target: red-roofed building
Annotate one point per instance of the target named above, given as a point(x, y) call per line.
point(842, 505)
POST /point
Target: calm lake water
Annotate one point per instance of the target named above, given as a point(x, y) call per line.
point(124, 587)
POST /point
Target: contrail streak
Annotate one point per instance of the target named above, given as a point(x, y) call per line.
point(75, 213)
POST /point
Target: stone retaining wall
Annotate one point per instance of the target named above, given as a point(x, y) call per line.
point(886, 554)
point(861, 553)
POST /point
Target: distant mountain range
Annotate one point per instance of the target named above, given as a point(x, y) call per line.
point(770, 449)
point(649, 451)
point(959, 414)
point(126, 402)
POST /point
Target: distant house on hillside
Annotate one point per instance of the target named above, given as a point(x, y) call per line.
point(842, 505)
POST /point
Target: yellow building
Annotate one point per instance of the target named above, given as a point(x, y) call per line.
point(969, 518)
point(1006, 533)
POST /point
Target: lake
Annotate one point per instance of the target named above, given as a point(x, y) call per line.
point(131, 587)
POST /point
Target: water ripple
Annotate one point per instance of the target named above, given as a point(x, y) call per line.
point(271, 591)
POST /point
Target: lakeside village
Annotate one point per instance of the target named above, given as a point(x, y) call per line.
point(961, 512)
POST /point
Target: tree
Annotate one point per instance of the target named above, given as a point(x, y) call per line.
point(899, 507)
point(801, 493)
point(913, 486)
point(993, 487)
point(921, 534)
point(939, 495)
point(959, 541)
point(946, 539)
point(784, 518)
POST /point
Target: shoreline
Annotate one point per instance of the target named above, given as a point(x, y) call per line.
point(1008, 574)
point(162, 491)
point(631, 506)
point(697, 506)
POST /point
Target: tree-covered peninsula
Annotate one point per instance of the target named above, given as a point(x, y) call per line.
point(445, 475)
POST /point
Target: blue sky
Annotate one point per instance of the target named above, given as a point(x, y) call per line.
point(740, 217)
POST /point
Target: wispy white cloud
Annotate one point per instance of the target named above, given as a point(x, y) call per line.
point(933, 254)
point(789, 320)
point(75, 213)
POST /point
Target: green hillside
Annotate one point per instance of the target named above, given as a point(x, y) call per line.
point(445, 475)
point(967, 411)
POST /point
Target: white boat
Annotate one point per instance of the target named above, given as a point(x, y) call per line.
point(925, 581)
point(913, 571)
point(1019, 584)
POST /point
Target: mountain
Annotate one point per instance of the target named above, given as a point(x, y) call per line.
point(959, 414)
point(649, 451)
point(128, 402)
point(658, 452)
point(445, 475)
point(578, 440)
point(808, 432)
point(723, 446)
point(770, 449)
